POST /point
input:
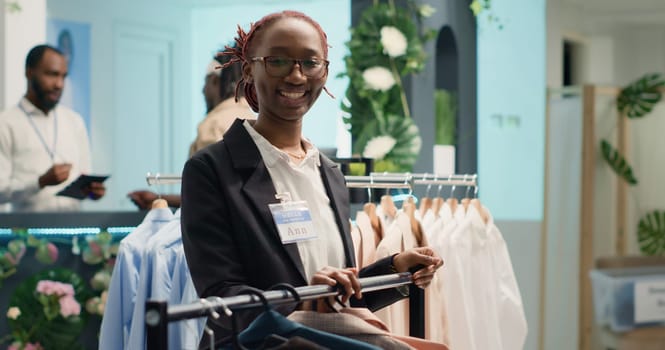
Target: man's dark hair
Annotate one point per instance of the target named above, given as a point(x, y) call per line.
point(36, 53)
point(229, 77)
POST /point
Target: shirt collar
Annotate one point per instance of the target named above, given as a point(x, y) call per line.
point(271, 154)
point(30, 108)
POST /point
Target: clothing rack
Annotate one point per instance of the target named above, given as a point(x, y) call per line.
point(158, 313)
point(374, 180)
point(385, 181)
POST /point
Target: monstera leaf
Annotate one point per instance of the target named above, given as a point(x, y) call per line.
point(405, 133)
point(59, 334)
point(638, 99)
point(617, 162)
point(651, 233)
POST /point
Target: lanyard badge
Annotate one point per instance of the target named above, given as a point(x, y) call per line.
point(293, 219)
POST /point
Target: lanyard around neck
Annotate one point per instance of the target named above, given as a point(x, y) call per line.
point(50, 150)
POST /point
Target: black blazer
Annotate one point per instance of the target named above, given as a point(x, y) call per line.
point(229, 236)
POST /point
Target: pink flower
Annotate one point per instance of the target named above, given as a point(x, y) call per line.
point(95, 248)
point(52, 252)
point(69, 306)
point(31, 346)
point(27, 346)
point(47, 253)
point(10, 257)
point(48, 287)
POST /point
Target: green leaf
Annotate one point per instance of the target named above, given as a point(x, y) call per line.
point(59, 334)
point(617, 162)
point(651, 233)
point(445, 109)
point(638, 99)
point(407, 139)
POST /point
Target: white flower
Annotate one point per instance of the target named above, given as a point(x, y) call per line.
point(393, 41)
point(426, 10)
point(378, 78)
point(378, 147)
point(13, 312)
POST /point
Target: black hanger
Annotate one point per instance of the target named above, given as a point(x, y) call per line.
point(289, 288)
point(234, 324)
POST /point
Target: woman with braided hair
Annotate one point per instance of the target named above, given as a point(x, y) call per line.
point(235, 231)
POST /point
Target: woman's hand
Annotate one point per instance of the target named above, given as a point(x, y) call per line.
point(347, 278)
point(424, 256)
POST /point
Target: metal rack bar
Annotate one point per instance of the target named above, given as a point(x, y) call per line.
point(374, 180)
point(158, 313)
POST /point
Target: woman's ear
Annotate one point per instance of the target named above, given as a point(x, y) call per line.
point(247, 72)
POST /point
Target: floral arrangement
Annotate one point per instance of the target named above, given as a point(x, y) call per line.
point(385, 46)
point(60, 293)
point(45, 311)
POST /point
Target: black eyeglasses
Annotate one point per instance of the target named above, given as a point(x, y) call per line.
point(279, 67)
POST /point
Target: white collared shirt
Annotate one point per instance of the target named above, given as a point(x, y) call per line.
point(25, 155)
point(303, 182)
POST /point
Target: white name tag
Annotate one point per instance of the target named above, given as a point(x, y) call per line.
point(293, 220)
point(649, 301)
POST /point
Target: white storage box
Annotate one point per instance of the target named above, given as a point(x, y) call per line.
point(628, 298)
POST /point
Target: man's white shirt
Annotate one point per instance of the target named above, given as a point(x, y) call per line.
point(30, 143)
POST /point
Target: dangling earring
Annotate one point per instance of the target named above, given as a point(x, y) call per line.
point(328, 92)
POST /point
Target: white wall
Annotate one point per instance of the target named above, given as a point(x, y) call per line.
point(19, 32)
point(619, 48)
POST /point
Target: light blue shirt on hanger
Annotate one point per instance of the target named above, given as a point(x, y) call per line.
point(160, 266)
point(123, 288)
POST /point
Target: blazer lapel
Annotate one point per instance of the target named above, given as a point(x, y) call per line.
point(339, 201)
point(258, 187)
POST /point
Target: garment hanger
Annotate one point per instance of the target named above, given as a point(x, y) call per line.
point(159, 202)
point(409, 207)
point(465, 201)
point(234, 323)
point(426, 201)
point(370, 209)
point(476, 203)
point(212, 313)
point(388, 206)
point(289, 288)
point(215, 315)
point(452, 201)
point(437, 202)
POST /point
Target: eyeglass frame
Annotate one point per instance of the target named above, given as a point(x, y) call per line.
point(324, 70)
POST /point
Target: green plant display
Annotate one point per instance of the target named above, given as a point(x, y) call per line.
point(651, 233)
point(636, 101)
point(385, 46)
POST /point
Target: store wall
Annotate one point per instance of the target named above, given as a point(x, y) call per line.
point(511, 137)
point(19, 31)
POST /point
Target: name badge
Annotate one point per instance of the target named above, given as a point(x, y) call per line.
point(293, 220)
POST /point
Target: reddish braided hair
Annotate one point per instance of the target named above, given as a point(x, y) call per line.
point(240, 51)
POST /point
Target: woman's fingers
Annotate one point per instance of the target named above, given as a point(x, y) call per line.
point(346, 278)
point(424, 277)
